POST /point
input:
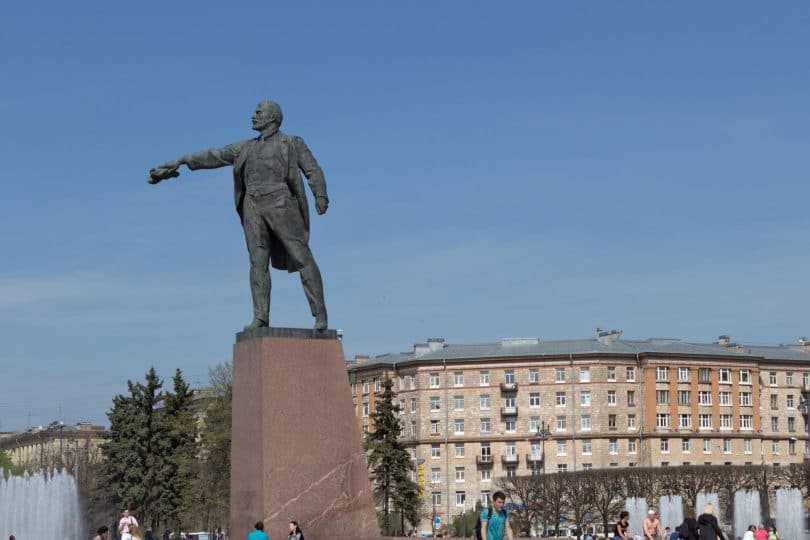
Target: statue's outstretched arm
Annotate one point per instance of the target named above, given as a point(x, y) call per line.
point(212, 158)
point(313, 173)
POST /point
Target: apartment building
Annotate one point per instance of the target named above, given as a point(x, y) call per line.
point(473, 413)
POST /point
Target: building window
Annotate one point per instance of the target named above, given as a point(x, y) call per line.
point(726, 446)
point(401, 382)
point(511, 449)
point(705, 421)
point(791, 424)
point(774, 423)
point(460, 450)
point(789, 401)
point(775, 447)
point(725, 399)
point(611, 373)
point(559, 399)
point(662, 397)
point(745, 376)
point(365, 410)
point(562, 467)
point(377, 385)
point(562, 448)
point(434, 380)
point(705, 376)
point(534, 423)
point(792, 446)
point(707, 446)
point(354, 388)
point(613, 446)
point(587, 446)
point(745, 399)
point(611, 398)
point(747, 446)
point(485, 425)
point(684, 421)
point(510, 426)
point(435, 427)
point(461, 498)
point(631, 421)
point(631, 374)
point(483, 378)
point(486, 452)
point(435, 403)
point(413, 428)
point(486, 499)
point(587, 466)
point(435, 475)
point(458, 378)
point(534, 376)
point(611, 421)
point(511, 471)
point(704, 397)
point(412, 382)
point(789, 378)
point(806, 381)
point(365, 387)
point(662, 374)
point(584, 374)
point(772, 378)
point(585, 422)
point(509, 376)
point(559, 375)
point(534, 399)
point(413, 405)
point(435, 451)
point(560, 423)
point(684, 397)
point(401, 406)
point(437, 498)
point(458, 426)
point(484, 402)
point(683, 374)
point(486, 475)
point(509, 402)
point(631, 447)
point(665, 446)
point(458, 403)
point(725, 421)
point(459, 474)
point(631, 398)
point(685, 446)
point(585, 398)
point(774, 402)
point(662, 421)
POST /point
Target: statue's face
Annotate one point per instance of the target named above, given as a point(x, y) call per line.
point(262, 117)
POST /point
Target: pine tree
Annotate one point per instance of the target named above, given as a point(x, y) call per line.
point(388, 461)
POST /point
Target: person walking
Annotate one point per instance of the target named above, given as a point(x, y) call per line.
point(258, 532)
point(688, 530)
point(622, 529)
point(708, 527)
point(295, 531)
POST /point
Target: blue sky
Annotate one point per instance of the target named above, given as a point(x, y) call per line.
point(520, 169)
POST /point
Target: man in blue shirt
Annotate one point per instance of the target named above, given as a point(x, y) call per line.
point(259, 533)
point(495, 522)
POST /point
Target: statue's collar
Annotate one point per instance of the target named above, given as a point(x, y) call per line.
point(265, 136)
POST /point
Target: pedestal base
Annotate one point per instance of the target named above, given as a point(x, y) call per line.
point(296, 451)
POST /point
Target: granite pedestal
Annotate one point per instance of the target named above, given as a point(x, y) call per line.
point(296, 450)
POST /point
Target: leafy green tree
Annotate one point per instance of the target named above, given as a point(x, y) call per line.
point(8, 468)
point(388, 460)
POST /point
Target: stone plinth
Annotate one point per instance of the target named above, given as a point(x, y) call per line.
point(296, 451)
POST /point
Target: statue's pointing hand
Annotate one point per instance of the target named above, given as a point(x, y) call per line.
point(321, 204)
point(164, 172)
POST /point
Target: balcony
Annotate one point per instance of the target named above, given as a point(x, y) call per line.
point(534, 459)
point(483, 461)
point(509, 411)
point(509, 387)
point(507, 459)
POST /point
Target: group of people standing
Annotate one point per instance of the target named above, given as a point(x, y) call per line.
point(295, 532)
point(705, 527)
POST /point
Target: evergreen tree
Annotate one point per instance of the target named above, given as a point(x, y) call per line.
point(388, 461)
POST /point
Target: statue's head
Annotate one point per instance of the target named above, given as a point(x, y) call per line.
point(267, 113)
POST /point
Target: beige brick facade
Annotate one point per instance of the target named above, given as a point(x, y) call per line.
point(469, 421)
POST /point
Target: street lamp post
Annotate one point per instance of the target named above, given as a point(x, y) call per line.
point(543, 433)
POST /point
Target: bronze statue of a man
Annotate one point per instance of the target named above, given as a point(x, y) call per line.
point(271, 204)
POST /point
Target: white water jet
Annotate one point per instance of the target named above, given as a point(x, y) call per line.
point(670, 507)
point(638, 511)
point(40, 507)
point(747, 511)
point(789, 514)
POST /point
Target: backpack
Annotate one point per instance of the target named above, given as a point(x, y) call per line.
point(683, 530)
point(477, 527)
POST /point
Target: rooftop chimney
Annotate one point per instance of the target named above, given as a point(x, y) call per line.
point(361, 359)
point(804, 343)
point(420, 349)
point(724, 340)
point(435, 343)
point(607, 337)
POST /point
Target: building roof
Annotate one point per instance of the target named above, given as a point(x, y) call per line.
point(607, 343)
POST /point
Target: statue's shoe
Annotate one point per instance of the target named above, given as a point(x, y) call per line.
point(321, 323)
point(257, 323)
